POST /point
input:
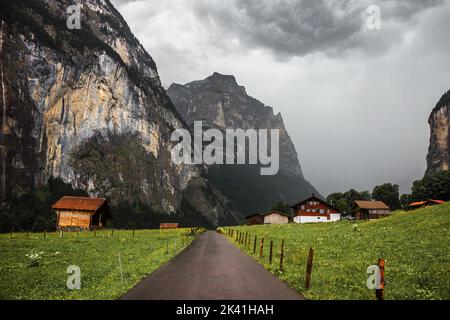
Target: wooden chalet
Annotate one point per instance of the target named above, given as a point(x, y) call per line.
point(168, 226)
point(371, 210)
point(425, 203)
point(81, 213)
point(271, 217)
point(315, 209)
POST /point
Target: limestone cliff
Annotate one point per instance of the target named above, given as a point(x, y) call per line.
point(221, 103)
point(87, 106)
point(439, 151)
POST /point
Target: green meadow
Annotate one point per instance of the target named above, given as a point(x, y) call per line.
point(415, 245)
point(35, 267)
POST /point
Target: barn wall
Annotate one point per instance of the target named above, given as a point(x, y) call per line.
point(254, 220)
point(79, 219)
point(275, 219)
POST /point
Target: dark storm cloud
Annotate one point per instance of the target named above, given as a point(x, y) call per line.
point(297, 28)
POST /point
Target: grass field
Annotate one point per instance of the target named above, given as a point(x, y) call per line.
point(43, 273)
point(415, 245)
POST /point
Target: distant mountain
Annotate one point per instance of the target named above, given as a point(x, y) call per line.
point(221, 103)
point(439, 151)
point(87, 106)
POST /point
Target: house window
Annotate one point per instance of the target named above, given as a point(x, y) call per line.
point(308, 210)
point(322, 211)
point(303, 207)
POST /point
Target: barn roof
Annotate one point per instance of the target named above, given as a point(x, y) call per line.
point(79, 203)
point(276, 212)
point(267, 213)
point(363, 204)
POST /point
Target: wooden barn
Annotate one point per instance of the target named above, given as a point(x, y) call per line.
point(168, 226)
point(81, 213)
point(255, 219)
point(272, 217)
point(371, 210)
point(314, 209)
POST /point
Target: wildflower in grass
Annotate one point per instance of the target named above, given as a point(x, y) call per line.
point(34, 257)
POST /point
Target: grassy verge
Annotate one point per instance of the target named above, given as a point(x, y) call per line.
point(415, 245)
point(34, 267)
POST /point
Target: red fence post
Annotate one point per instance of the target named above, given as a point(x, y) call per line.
point(379, 293)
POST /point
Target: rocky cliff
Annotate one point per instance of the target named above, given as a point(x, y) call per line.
point(220, 102)
point(87, 106)
point(439, 151)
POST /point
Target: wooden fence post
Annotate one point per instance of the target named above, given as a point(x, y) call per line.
point(133, 233)
point(61, 234)
point(245, 239)
point(379, 293)
point(45, 234)
point(28, 235)
point(309, 266)
point(261, 247)
point(270, 253)
point(254, 245)
point(282, 255)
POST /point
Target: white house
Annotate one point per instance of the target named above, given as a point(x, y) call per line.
point(315, 209)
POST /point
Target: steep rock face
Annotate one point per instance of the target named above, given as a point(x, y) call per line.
point(87, 106)
point(439, 151)
point(221, 103)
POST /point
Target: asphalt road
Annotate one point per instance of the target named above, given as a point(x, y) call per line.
point(212, 269)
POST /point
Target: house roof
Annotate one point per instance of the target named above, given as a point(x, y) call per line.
point(314, 197)
point(420, 203)
point(276, 212)
point(80, 203)
point(363, 204)
point(267, 213)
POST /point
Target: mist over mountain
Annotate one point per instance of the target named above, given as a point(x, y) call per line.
point(221, 103)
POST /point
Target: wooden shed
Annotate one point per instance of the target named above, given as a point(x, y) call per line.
point(371, 210)
point(168, 226)
point(81, 213)
point(254, 219)
point(272, 217)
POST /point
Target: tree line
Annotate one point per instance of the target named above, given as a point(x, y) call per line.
point(433, 186)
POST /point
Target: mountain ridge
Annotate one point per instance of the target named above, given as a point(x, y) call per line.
point(77, 101)
point(220, 102)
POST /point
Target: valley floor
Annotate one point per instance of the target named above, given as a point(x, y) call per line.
point(415, 245)
point(35, 267)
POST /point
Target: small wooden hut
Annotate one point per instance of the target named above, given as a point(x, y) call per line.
point(168, 226)
point(81, 213)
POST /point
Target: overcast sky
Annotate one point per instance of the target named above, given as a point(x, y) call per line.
point(355, 101)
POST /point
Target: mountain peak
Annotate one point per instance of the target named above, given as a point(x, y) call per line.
point(217, 82)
